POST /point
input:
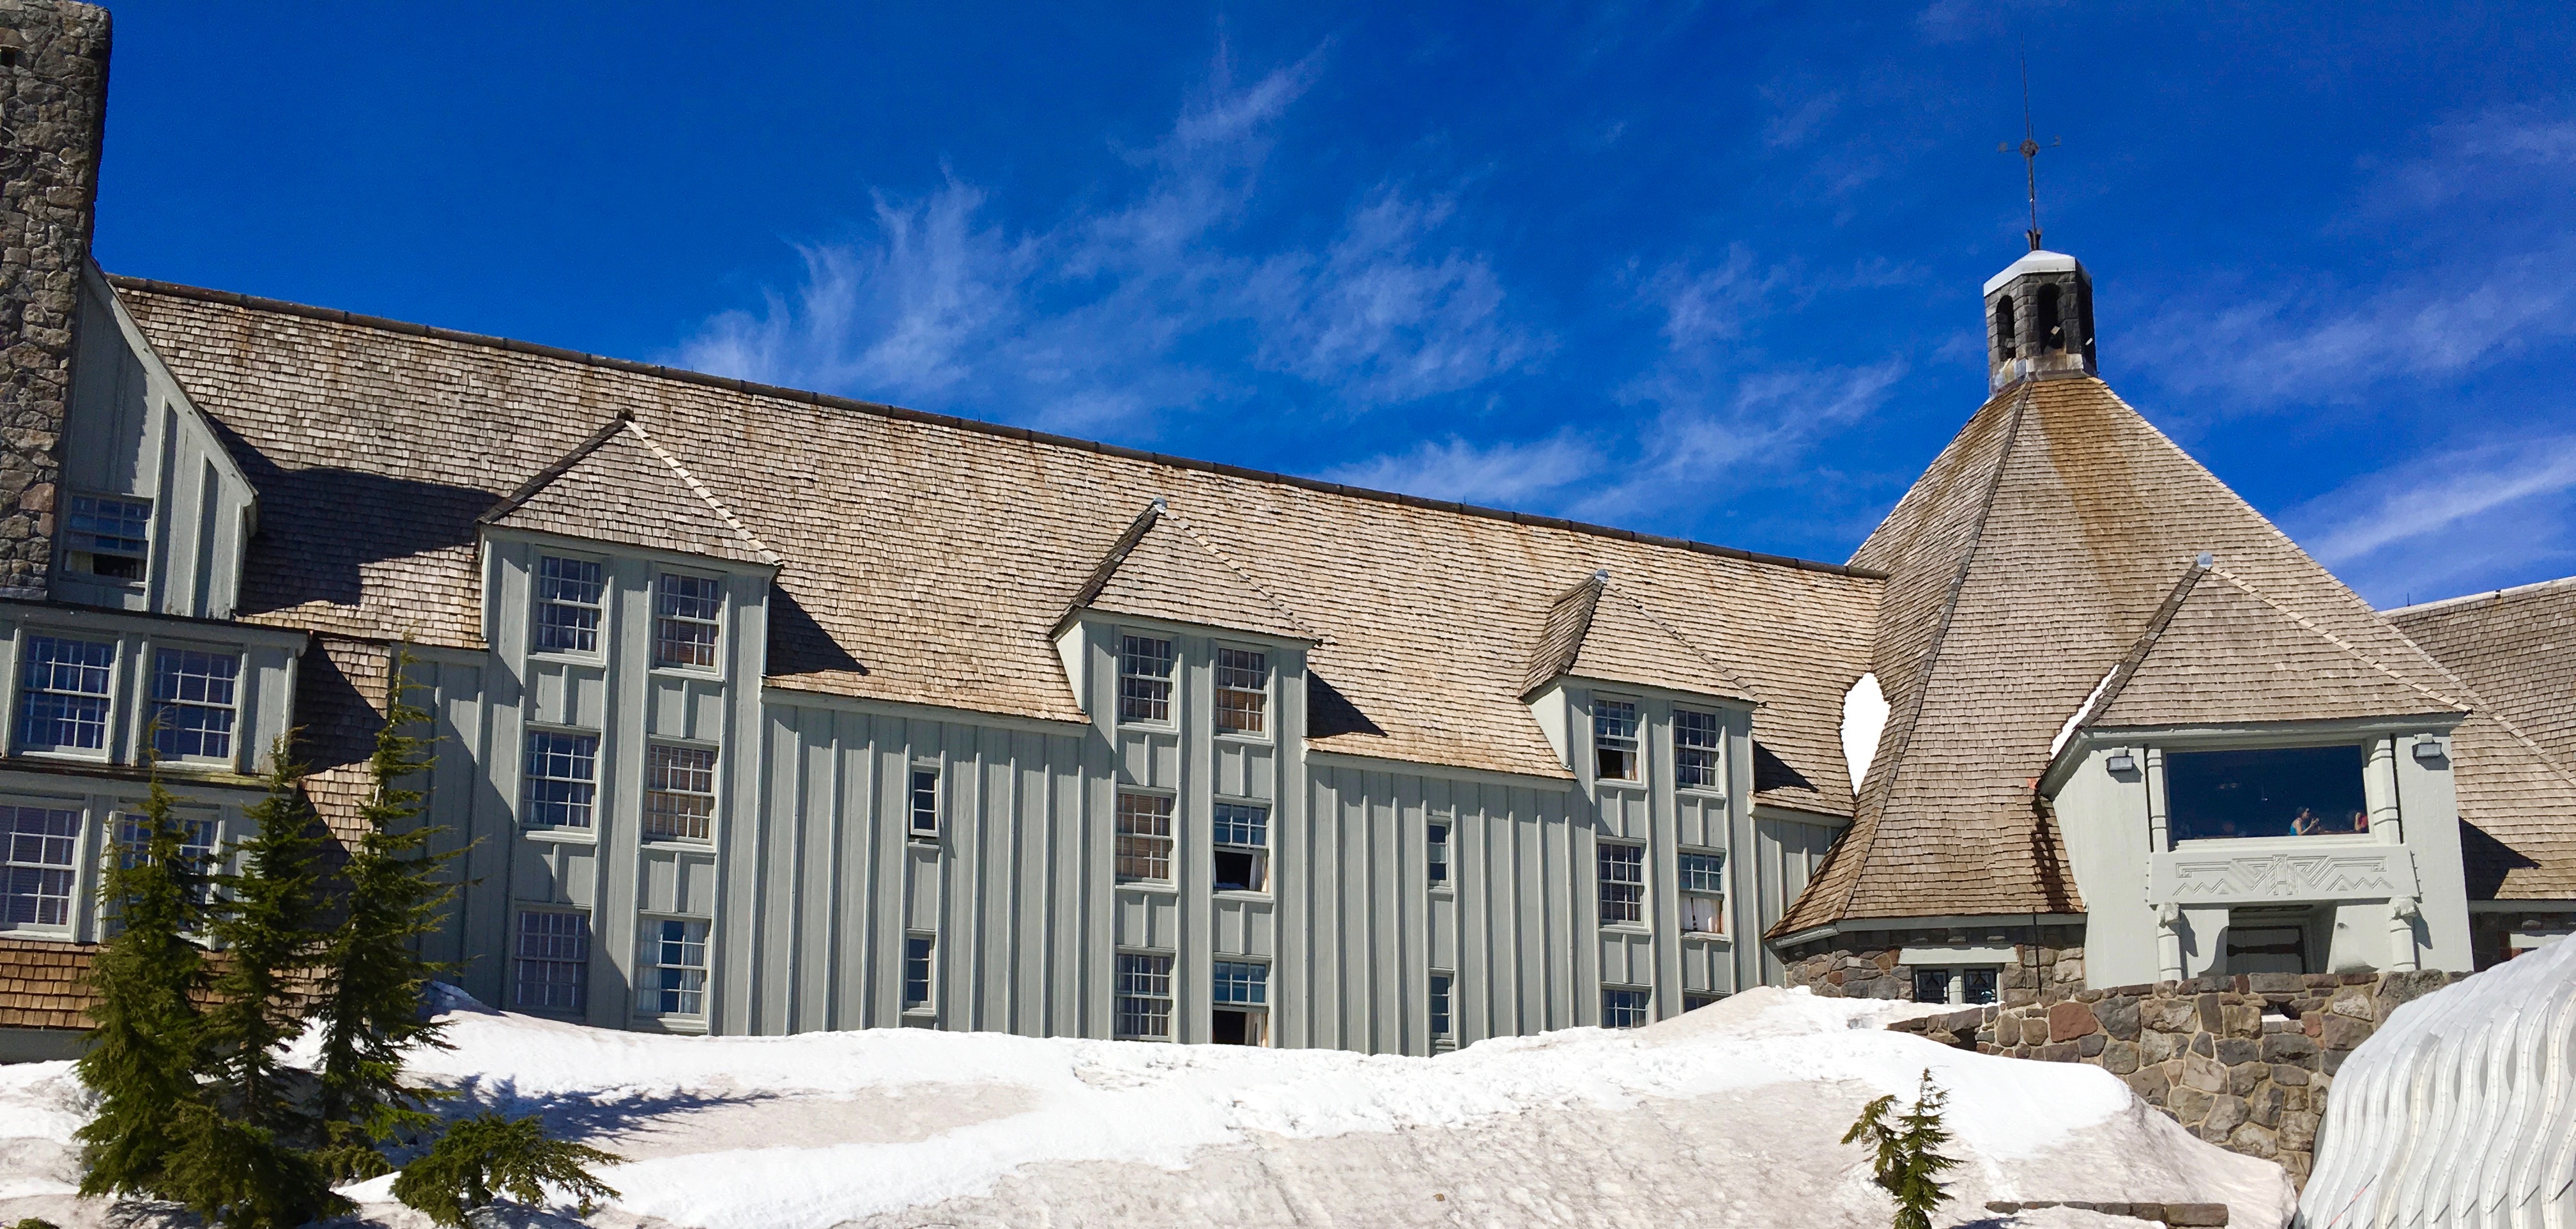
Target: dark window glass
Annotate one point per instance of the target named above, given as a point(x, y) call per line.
point(36, 865)
point(553, 960)
point(62, 694)
point(1980, 985)
point(1439, 859)
point(1697, 741)
point(1144, 679)
point(1623, 882)
point(2007, 333)
point(1439, 1004)
point(192, 704)
point(2283, 791)
point(568, 593)
point(685, 612)
point(925, 801)
point(1625, 1008)
point(1931, 985)
point(916, 970)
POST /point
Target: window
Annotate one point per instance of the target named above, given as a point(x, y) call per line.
point(675, 967)
point(684, 619)
point(1623, 883)
point(1242, 691)
point(2007, 334)
point(1144, 679)
point(679, 791)
point(1931, 985)
point(1978, 985)
point(925, 802)
point(1241, 1017)
point(916, 971)
point(1440, 1024)
point(192, 704)
point(568, 592)
point(197, 861)
point(1242, 847)
point(63, 705)
point(2051, 336)
point(2283, 791)
point(1625, 1006)
point(1144, 838)
point(1969, 984)
point(1614, 739)
point(1703, 877)
point(1693, 1002)
point(1436, 861)
point(106, 536)
point(1697, 742)
point(553, 960)
point(1244, 982)
point(1144, 995)
point(557, 788)
point(39, 866)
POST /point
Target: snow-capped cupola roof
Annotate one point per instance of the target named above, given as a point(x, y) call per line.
point(2039, 320)
point(2036, 262)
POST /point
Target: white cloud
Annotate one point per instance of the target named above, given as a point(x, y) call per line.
point(1139, 305)
point(2477, 518)
point(1507, 473)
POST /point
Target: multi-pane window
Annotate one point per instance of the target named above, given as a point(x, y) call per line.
point(1242, 691)
point(925, 802)
point(193, 703)
point(1625, 1006)
point(1703, 877)
point(1972, 984)
point(1614, 739)
point(1697, 743)
point(916, 970)
point(568, 593)
point(1623, 882)
point(62, 703)
point(1242, 982)
point(1436, 860)
point(1440, 1026)
point(1144, 996)
point(552, 960)
point(685, 610)
point(679, 791)
point(1145, 837)
point(39, 869)
point(1144, 679)
point(675, 967)
point(560, 781)
point(1242, 860)
point(197, 863)
point(1693, 1002)
point(107, 536)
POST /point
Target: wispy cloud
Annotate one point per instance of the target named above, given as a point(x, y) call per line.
point(1150, 302)
point(1508, 473)
point(2425, 529)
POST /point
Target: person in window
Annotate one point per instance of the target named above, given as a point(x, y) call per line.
point(2360, 822)
point(2306, 823)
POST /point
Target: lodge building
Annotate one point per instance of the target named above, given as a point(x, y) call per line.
point(760, 711)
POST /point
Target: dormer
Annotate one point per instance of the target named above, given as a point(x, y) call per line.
point(2039, 320)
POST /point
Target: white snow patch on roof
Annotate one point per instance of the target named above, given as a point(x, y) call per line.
point(1864, 719)
point(2035, 262)
point(2082, 711)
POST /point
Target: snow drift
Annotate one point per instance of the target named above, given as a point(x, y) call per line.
point(1729, 1115)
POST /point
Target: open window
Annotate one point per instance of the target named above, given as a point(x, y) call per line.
point(1242, 1013)
point(2275, 791)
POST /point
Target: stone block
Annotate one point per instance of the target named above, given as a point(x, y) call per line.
point(2332, 1060)
point(2189, 1105)
point(2276, 983)
point(2243, 1019)
point(2090, 1044)
point(2150, 1084)
point(2155, 1047)
point(2205, 1044)
point(2203, 1073)
point(2168, 1015)
point(2120, 1057)
point(2298, 1131)
point(2343, 1032)
point(2289, 1076)
point(2070, 1020)
point(2236, 1051)
point(2196, 1215)
point(2208, 1011)
point(2252, 1140)
point(2058, 1052)
point(2288, 1048)
point(2352, 1002)
point(2293, 1100)
point(2243, 1080)
point(2263, 1106)
point(2119, 1017)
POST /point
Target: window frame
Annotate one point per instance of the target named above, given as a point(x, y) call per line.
point(153, 704)
point(1631, 894)
point(538, 602)
point(1222, 978)
point(1223, 826)
point(1440, 995)
point(928, 958)
point(1169, 838)
point(1955, 982)
point(1618, 1016)
point(1438, 860)
point(714, 623)
point(2183, 760)
point(652, 941)
point(916, 807)
point(74, 881)
point(1713, 897)
point(23, 690)
point(579, 985)
point(1260, 697)
point(1603, 745)
point(588, 831)
point(1168, 718)
point(653, 747)
point(1120, 995)
point(74, 539)
point(1684, 754)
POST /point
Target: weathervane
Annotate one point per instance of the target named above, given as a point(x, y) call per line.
point(2029, 150)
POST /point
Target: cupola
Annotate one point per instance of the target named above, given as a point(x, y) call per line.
point(2039, 320)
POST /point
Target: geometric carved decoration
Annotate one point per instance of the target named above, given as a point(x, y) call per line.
point(2233, 878)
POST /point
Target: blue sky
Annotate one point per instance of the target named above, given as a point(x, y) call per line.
point(1707, 270)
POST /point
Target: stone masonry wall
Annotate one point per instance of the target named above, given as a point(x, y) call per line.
point(2245, 1062)
point(53, 112)
point(2049, 962)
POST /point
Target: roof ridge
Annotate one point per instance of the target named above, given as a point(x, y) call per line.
point(2484, 595)
point(714, 504)
point(562, 465)
point(1884, 784)
point(1230, 562)
point(1101, 572)
point(2331, 638)
point(979, 426)
point(2117, 681)
point(1541, 670)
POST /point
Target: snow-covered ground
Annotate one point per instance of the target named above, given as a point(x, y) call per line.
point(1727, 1116)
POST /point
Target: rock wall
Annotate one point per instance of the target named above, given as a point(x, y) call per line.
point(2048, 964)
point(2245, 1062)
point(53, 113)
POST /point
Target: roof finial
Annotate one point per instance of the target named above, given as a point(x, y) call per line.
point(2029, 150)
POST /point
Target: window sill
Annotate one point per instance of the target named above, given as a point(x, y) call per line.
point(1444, 891)
point(570, 656)
point(922, 840)
point(1149, 727)
point(1627, 928)
point(1260, 894)
point(706, 673)
point(2275, 844)
point(920, 1017)
point(692, 1026)
point(561, 836)
point(1158, 887)
point(1708, 936)
point(1622, 784)
point(679, 842)
point(1242, 739)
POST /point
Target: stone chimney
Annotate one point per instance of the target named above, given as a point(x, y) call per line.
point(2039, 320)
point(53, 113)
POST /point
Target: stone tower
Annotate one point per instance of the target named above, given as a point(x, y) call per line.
point(2039, 319)
point(53, 112)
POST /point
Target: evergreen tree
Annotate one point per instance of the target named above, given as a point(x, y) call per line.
point(240, 1164)
point(146, 1043)
point(488, 1153)
point(1908, 1163)
point(373, 974)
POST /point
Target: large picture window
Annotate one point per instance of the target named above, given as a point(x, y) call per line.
point(2279, 791)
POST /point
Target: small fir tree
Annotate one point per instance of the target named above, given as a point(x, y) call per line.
point(487, 1153)
point(1908, 1163)
point(146, 1043)
point(373, 974)
point(241, 1164)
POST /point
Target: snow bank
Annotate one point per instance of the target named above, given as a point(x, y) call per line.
point(1728, 1115)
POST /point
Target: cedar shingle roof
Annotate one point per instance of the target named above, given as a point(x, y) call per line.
point(926, 559)
point(1625, 642)
point(40, 983)
point(620, 486)
point(1169, 570)
point(2515, 762)
point(2027, 561)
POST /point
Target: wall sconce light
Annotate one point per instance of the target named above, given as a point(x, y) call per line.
point(2121, 761)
